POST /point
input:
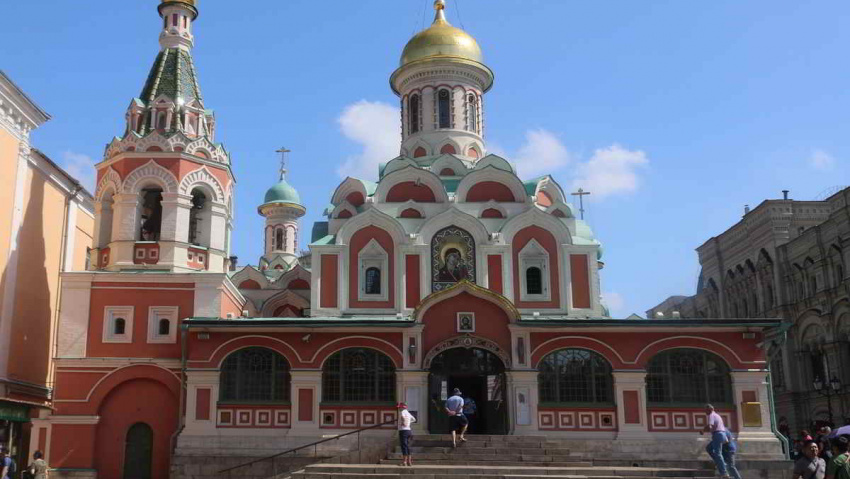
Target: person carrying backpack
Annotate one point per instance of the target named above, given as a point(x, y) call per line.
point(8, 468)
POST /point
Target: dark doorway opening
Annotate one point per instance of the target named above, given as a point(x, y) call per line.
point(138, 452)
point(480, 375)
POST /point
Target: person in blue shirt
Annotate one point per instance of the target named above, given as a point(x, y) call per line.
point(730, 448)
point(454, 408)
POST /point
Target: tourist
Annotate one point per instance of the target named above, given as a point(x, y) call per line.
point(405, 434)
point(454, 408)
point(809, 466)
point(715, 426)
point(730, 448)
point(7, 464)
point(470, 409)
point(839, 466)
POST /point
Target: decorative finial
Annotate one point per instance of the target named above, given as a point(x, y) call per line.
point(581, 194)
point(283, 152)
point(440, 7)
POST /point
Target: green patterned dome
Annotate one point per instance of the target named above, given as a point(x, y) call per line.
point(282, 193)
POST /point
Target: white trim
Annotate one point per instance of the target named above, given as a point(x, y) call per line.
point(533, 255)
point(157, 314)
point(110, 314)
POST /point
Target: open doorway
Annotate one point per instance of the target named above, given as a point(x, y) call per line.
point(480, 375)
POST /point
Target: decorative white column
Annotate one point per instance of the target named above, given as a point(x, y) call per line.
point(752, 406)
point(305, 398)
point(630, 396)
point(522, 401)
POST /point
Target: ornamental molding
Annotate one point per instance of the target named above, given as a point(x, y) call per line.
point(110, 178)
point(465, 286)
point(151, 170)
point(467, 341)
point(202, 176)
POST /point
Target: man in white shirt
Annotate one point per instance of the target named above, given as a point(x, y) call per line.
point(715, 426)
point(405, 434)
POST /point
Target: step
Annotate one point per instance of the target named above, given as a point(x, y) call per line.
point(455, 462)
point(488, 470)
point(487, 451)
point(494, 457)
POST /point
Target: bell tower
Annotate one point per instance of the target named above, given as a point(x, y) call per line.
point(441, 81)
point(163, 199)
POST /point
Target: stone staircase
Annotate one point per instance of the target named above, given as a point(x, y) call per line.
point(516, 457)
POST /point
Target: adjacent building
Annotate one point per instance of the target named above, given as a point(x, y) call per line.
point(786, 259)
point(46, 221)
point(450, 271)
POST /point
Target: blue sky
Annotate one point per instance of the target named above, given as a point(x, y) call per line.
point(675, 114)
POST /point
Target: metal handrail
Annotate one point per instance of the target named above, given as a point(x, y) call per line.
point(312, 444)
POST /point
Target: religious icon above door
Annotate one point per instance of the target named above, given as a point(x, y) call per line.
point(452, 258)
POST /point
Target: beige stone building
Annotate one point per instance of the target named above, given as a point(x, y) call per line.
point(786, 259)
point(46, 222)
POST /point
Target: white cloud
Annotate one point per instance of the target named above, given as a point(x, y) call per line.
point(821, 160)
point(81, 167)
point(375, 126)
point(541, 153)
point(611, 171)
point(615, 303)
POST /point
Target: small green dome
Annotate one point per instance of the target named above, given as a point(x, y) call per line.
point(282, 193)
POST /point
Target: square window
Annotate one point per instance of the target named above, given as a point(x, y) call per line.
point(118, 324)
point(153, 254)
point(140, 253)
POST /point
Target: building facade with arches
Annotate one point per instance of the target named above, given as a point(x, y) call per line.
point(786, 259)
point(449, 272)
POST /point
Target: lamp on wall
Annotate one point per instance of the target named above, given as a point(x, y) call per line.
point(828, 389)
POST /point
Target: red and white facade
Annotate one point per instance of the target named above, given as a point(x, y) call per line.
point(450, 251)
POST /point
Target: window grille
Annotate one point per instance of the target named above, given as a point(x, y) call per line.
point(688, 376)
point(444, 107)
point(533, 281)
point(373, 281)
point(255, 375)
point(119, 326)
point(575, 375)
point(358, 375)
point(414, 114)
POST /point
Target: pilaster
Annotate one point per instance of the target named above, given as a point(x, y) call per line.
point(305, 397)
point(630, 396)
point(413, 390)
point(201, 409)
point(752, 405)
point(522, 401)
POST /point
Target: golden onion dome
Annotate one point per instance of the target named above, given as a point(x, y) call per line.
point(441, 40)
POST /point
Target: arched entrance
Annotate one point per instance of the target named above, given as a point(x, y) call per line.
point(480, 375)
point(138, 452)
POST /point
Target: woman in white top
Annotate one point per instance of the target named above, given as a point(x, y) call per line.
point(405, 419)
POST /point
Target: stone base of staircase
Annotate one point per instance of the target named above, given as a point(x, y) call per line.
point(529, 457)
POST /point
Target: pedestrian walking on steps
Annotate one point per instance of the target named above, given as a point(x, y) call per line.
point(730, 448)
point(405, 434)
point(454, 408)
point(809, 465)
point(715, 427)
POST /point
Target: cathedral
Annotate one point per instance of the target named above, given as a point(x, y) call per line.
point(449, 272)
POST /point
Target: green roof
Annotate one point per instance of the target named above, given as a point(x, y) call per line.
point(320, 230)
point(315, 321)
point(450, 184)
point(531, 185)
point(172, 75)
point(329, 239)
point(282, 193)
